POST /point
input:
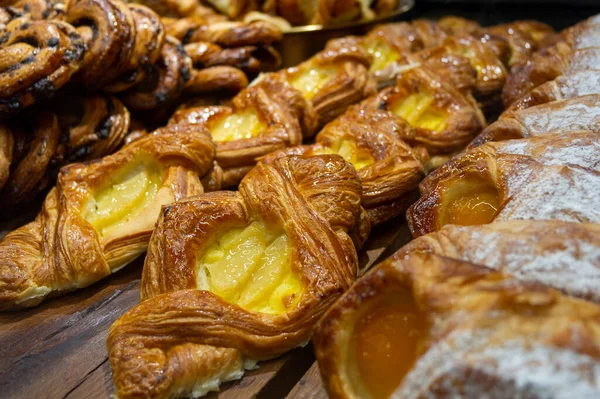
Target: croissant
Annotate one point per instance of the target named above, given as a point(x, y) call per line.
point(388, 169)
point(425, 325)
point(553, 176)
point(577, 49)
point(260, 119)
point(38, 144)
point(444, 119)
point(574, 114)
point(235, 277)
point(100, 215)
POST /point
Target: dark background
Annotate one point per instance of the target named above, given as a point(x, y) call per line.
point(558, 13)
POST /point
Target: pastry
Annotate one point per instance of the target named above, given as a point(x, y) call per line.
point(444, 119)
point(260, 119)
point(388, 169)
point(235, 277)
point(39, 143)
point(547, 177)
point(424, 325)
point(577, 48)
point(561, 255)
point(575, 114)
point(100, 215)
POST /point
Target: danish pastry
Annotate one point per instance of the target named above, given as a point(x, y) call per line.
point(235, 277)
point(546, 177)
point(388, 169)
point(100, 215)
point(424, 325)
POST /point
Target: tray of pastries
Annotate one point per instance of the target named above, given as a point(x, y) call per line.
point(408, 212)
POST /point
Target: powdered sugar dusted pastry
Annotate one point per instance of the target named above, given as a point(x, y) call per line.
point(100, 215)
point(235, 277)
point(547, 177)
point(424, 325)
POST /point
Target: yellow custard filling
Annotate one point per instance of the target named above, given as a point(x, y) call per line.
point(251, 267)
point(124, 196)
point(243, 125)
point(383, 54)
point(469, 201)
point(348, 150)
point(310, 80)
point(417, 111)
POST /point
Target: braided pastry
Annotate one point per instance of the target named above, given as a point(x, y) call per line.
point(100, 215)
point(554, 176)
point(77, 130)
point(254, 271)
point(425, 325)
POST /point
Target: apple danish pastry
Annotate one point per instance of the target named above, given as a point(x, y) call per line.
point(235, 277)
point(546, 177)
point(100, 215)
point(424, 325)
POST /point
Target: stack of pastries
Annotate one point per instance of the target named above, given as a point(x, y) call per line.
point(235, 277)
point(497, 296)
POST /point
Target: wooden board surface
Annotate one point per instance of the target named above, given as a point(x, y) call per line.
point(58, 350)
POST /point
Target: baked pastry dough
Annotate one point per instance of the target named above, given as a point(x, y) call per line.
point(373, 142)
point(546, 177)
point(100, 215)
point(444, 119)
point(575, 114)
point(235, 277)
point(260, 119)
point(423, 325)
point(561, 255)
point(577, 49)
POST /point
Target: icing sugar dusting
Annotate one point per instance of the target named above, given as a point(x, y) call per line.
point(584, 59)
point(468, 363)
point(575, 149)
point(553, 192)
point(581, 113)
point(579, 84)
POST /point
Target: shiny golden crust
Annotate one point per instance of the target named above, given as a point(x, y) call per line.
point(169, 358)
point(61, 251)
point(560, 255)
point(464, 119)
point(546, 177)
point(574, 114)
point(389, 180)
point(278, 112)
point(487, 334)
point(234, 9)
point(250, 59)
point(233, 34)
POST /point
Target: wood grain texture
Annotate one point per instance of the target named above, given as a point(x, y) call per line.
point(58, 350)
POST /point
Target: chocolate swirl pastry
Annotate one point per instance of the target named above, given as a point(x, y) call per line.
point(36, 145)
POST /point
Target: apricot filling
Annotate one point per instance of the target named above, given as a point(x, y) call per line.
point(251, 267)
point(348, 150)
point(310, 80)
point(383, 54)
point(124, 196)
point(469, 201)
point(417, 110)
point(243, 125)
point(388, 341)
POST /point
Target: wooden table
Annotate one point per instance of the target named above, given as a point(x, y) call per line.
point(58, 350)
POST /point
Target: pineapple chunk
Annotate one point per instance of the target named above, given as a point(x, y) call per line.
point(310, 81)
point(251, 268)
point(243, 125)
point(417, 111)
point(383, 54)
point(126, 194)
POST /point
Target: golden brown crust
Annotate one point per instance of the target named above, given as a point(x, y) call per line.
point(546, 177)
point(148, 357)
point(523, 37)
point(61, 251)
point(484, 328)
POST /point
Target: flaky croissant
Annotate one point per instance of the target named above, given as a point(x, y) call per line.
point(553, 176)
point(424, 325)
point(100, 215)
point(235, 277)
point(373, 142)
